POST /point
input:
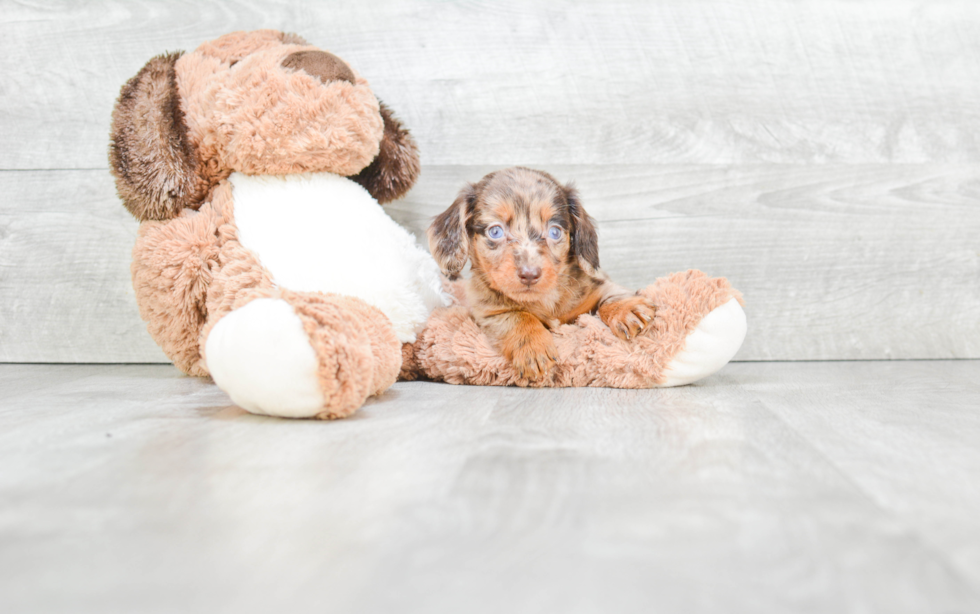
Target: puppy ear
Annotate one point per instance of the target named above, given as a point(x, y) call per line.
point(149, 154)
point(396, 167)
point(447, 234)
point(585, 241)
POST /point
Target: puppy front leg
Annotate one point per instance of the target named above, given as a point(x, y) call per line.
point(524, 342)
point(627, 314)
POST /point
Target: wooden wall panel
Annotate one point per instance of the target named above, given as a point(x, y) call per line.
point(836, 262)
point(65, 293)
point(543, 82)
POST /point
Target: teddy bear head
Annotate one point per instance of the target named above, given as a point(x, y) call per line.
point(259, 102)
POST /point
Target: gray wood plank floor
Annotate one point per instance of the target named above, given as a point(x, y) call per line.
point(769, 487)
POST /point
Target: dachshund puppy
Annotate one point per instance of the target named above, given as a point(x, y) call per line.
point(534, 265)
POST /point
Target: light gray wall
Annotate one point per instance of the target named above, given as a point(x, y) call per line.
point(822, 155)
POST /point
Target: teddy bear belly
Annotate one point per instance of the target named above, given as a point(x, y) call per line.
point(320, 232)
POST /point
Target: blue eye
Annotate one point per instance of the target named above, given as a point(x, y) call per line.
point(495, 232)
point(554, 233)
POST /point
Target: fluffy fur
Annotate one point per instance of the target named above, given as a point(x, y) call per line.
point(259, 102)
point(257, 116)
point(154, 164)
point(454, 349)
point(396, 167)
point(172, 272)
point(359, 355)
point(534, 265)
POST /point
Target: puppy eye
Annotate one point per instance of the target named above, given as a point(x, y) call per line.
point(495, 232)
point(554, 233)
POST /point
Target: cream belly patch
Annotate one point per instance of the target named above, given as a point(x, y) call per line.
point(319, 232)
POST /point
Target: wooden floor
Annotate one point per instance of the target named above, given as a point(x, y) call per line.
point(770, 487)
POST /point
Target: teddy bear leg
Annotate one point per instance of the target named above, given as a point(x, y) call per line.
point(302, 355)
point(709, 347)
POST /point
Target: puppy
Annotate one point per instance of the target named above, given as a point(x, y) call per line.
point(534, 265)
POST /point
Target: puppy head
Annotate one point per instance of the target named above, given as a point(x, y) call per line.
point(521, 229)
point(258, 102)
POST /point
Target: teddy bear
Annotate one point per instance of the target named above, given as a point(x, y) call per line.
point(256, 165)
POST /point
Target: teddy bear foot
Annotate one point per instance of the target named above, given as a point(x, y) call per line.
point(260, 355)
point(303, 355)
point(708, 347)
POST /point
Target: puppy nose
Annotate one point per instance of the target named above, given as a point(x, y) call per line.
point(529, 274)
point(325, 66)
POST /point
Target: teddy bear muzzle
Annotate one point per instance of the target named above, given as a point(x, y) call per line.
point(321, 64)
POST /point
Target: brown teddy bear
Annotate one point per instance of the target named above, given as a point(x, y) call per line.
point(256, 165)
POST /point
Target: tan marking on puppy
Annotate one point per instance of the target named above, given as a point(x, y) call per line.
point(588, 304)
point(545, 213)
point(525, 342)
point(534, 263)
point(504, 212)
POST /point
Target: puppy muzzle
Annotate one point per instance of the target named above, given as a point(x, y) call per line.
point(529, 275)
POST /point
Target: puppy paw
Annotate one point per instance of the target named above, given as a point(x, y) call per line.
point(628, 317)
point(533, 357)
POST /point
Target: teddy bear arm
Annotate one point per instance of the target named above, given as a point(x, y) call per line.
point(171, 270)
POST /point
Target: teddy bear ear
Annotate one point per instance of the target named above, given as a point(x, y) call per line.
point(396, 167)
point(149, 153)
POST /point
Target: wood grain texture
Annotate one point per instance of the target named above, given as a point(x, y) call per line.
point(836, 262)
point(816, 488)
point(540, 82)
point(65, 244)
point(923, 427)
